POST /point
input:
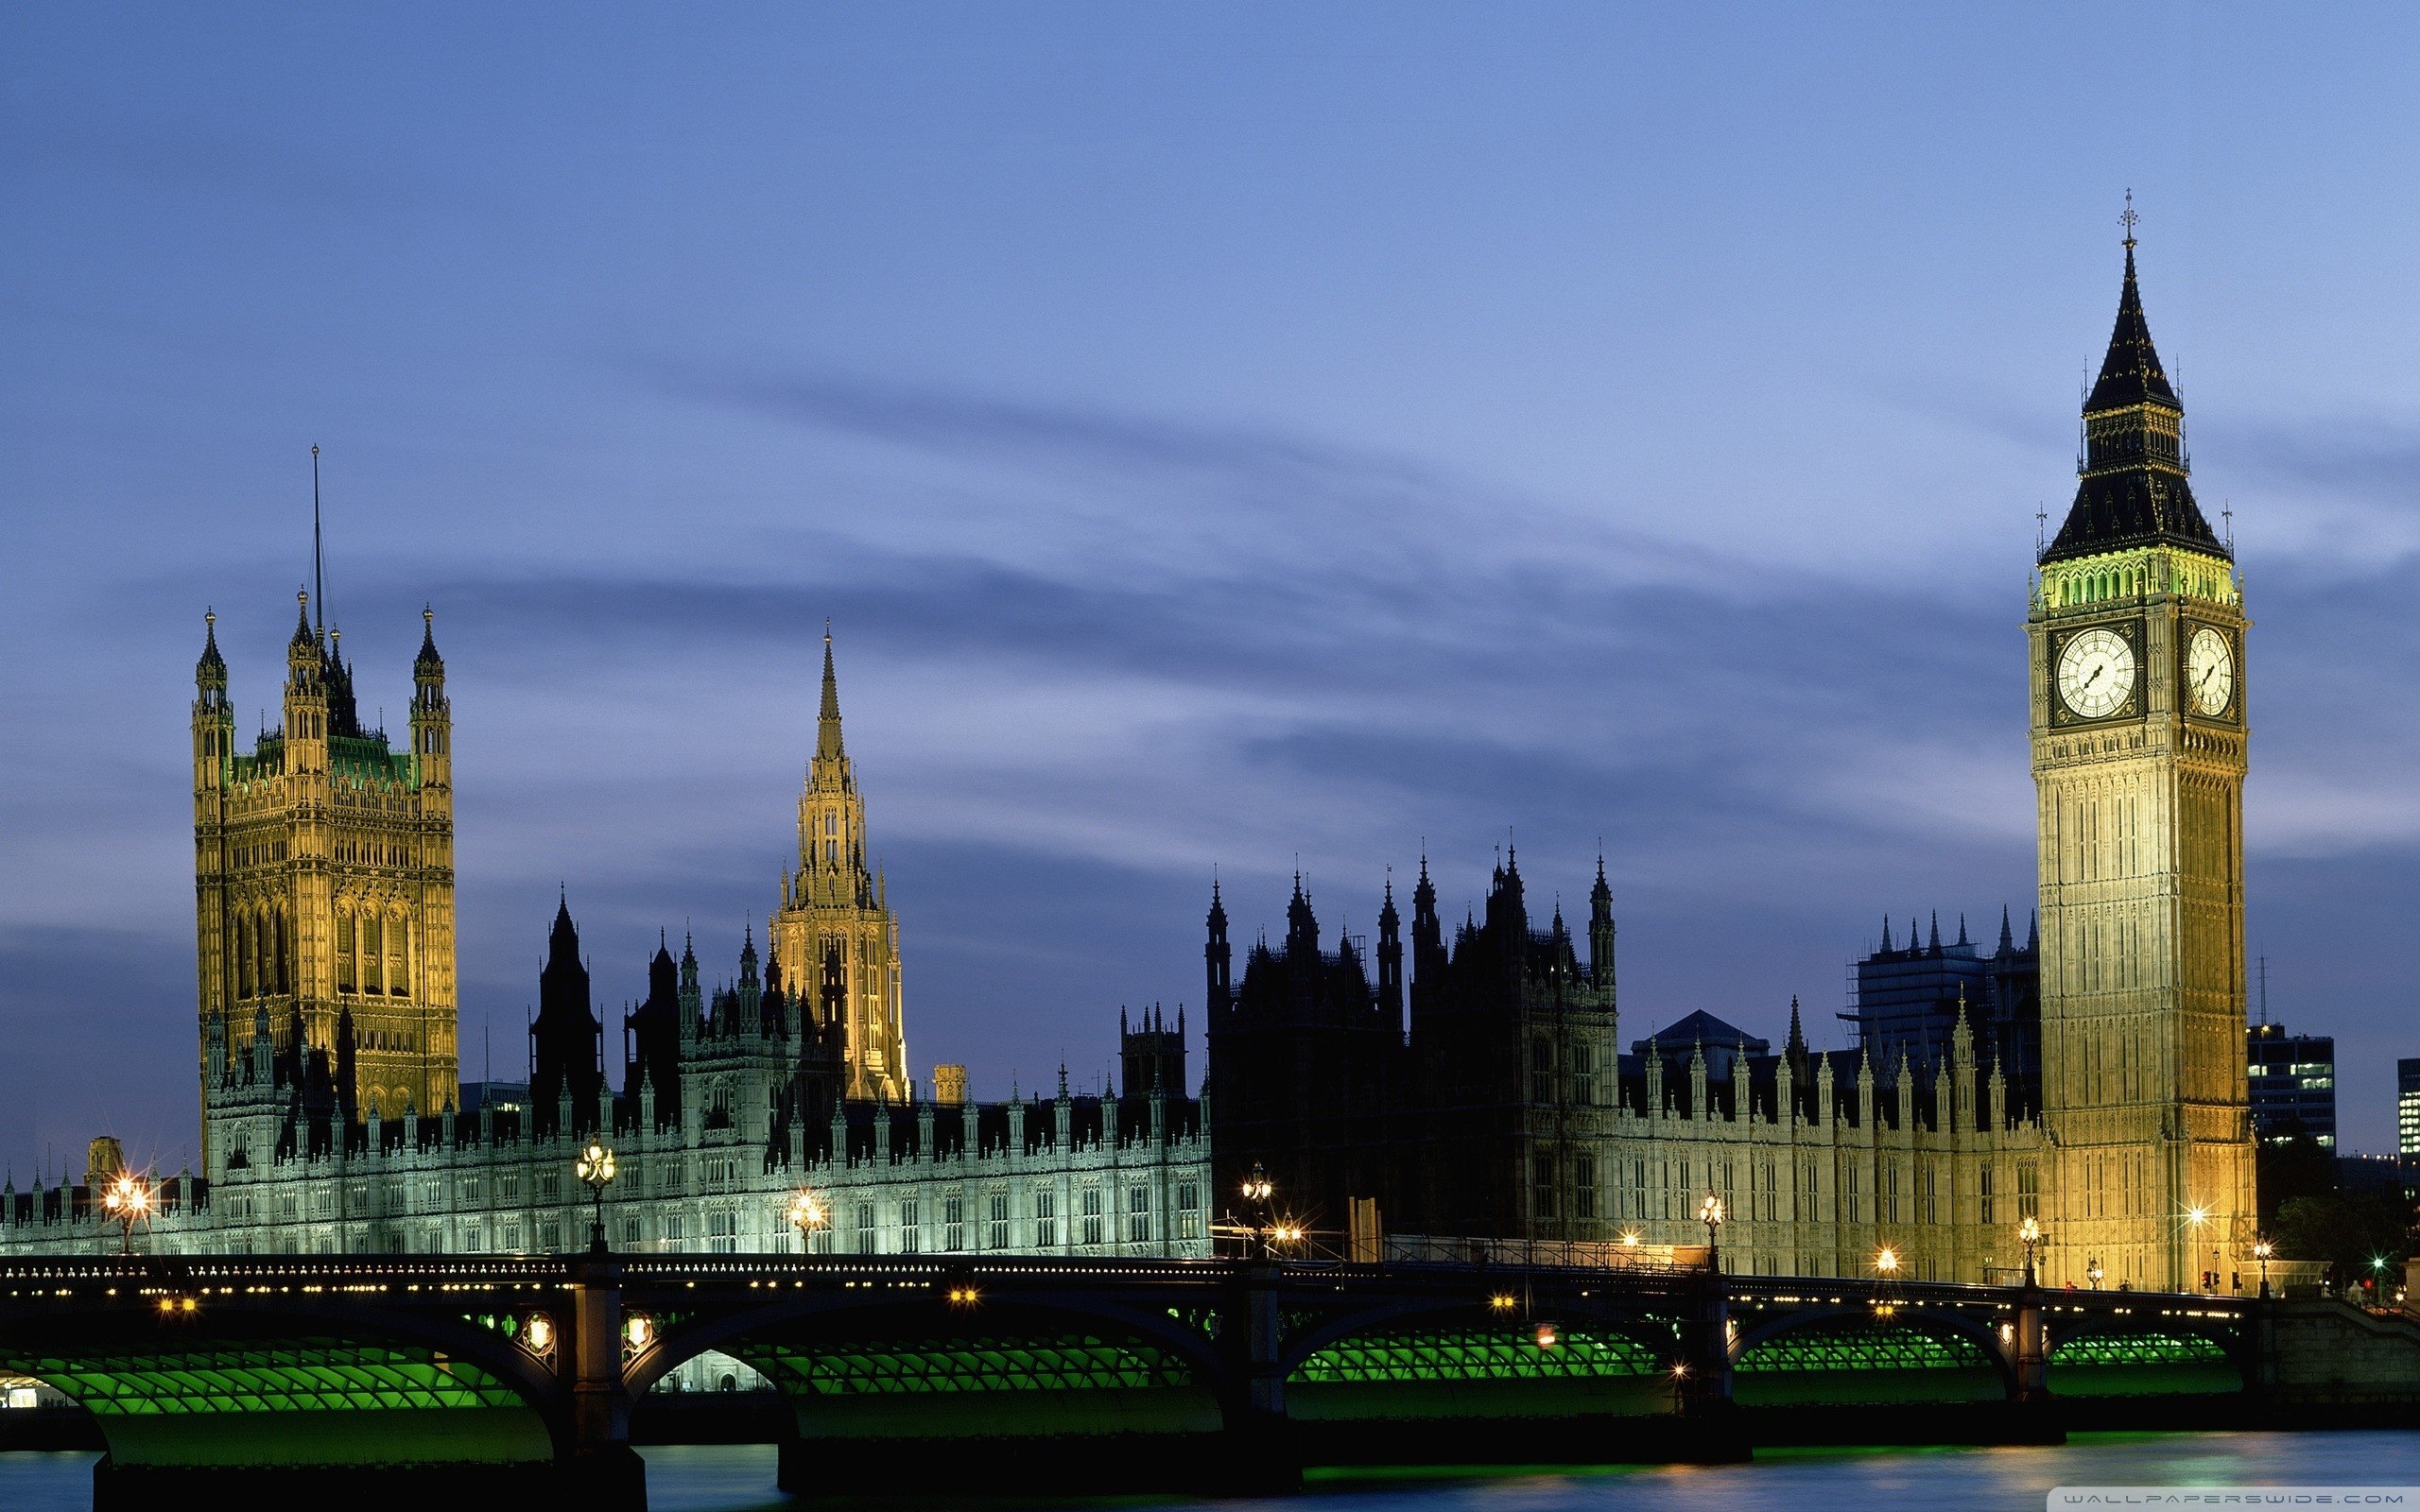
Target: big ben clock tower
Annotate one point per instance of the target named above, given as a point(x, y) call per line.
point(2138, 688)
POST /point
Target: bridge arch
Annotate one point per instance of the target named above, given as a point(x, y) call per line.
point(246, 1381)
point(2126, 1355)
point(1408, 1358)
point(805, 1314)
point(868, 1376)
point(1850, 1353)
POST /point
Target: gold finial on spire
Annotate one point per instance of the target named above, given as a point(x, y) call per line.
point(2127, 219)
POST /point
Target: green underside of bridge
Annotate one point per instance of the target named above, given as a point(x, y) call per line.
point(2143, 1364)
point(984, 1387)
point(1864, 1361)
point(1478, 1373)
point(312, 1401)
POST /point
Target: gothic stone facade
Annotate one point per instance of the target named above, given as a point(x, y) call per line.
point(1509, 1111)
point(328, 1073)
point(1506, 1109)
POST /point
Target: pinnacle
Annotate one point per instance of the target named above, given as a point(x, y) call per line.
point(827, 724)
point(2129, 373)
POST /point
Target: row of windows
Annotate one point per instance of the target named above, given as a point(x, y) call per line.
point(955, 1226)
point(1648, 1191)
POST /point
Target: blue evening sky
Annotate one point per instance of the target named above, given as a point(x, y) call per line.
point(1218, 434)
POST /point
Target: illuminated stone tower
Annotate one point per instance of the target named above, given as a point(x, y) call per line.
point(324, 873)
point(834, 912)
point(2137, 630)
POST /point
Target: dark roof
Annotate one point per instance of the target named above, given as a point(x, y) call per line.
point(2138, 506)
point(1701, 1028)
point(2134, 491)
point(2131, 374)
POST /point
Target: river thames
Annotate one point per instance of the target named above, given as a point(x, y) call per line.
point(739, 1478)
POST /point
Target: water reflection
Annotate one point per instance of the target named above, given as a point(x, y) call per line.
point(739, 1478)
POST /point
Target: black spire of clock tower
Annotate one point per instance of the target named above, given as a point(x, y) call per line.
point(2133, 487)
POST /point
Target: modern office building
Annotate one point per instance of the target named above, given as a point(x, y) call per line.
point(2293, 1080)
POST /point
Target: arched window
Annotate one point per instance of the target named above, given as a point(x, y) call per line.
point(399, 945)
point(373, 949)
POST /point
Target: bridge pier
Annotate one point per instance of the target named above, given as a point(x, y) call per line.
point(2032, 1351)
point(1260, 1453)
point(1711, 1430)
point(602, 1471)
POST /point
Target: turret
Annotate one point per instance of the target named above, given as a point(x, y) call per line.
point(1302, 925)
point(1217, 958)
point(564, 1039)
point(306, 694)
point(1600, 933)
point(1389, 961)
point(214, 719)
point(751, 989)
point(432, 713)
point(692, 999)
point(1150, 1055)
point(1427, 934)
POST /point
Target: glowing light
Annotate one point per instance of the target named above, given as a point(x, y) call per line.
point(807, 1213)
point(1887, 1261)
point(1501, 1301)
point(2196, 1216)
point(638, 1332)
point(963, 1297)
point(1549, 1336)
point(595, 1167)
point(538, 1334)
point(1630, 1238)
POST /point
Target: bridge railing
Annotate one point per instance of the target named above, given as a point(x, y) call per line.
point(1559, 1254)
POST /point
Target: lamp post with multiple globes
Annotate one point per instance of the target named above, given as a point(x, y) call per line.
point(808, 1215)
point(126, 1200)
point(2262, 1250)
point(1258, 1190)
point(2029, 1234)
point(594, 1168)
point(1711, 1214)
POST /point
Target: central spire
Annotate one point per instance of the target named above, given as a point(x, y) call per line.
point(827, 724)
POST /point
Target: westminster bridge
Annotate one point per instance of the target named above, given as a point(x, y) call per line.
point(386, 1379)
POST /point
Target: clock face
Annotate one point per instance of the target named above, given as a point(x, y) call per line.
point(2209, 672)
point(2096, 673)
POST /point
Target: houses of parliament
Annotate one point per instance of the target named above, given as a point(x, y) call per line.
point(1459, 1084)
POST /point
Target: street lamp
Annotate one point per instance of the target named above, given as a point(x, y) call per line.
point(1887, 1261)
point(1258, 1190)
point(807, 1215)
point(2092, 1272)
point(128, 1202)
point(2261, 1250)
point(1710, 1214)
point(594, 1168)
point(2029, 1234)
